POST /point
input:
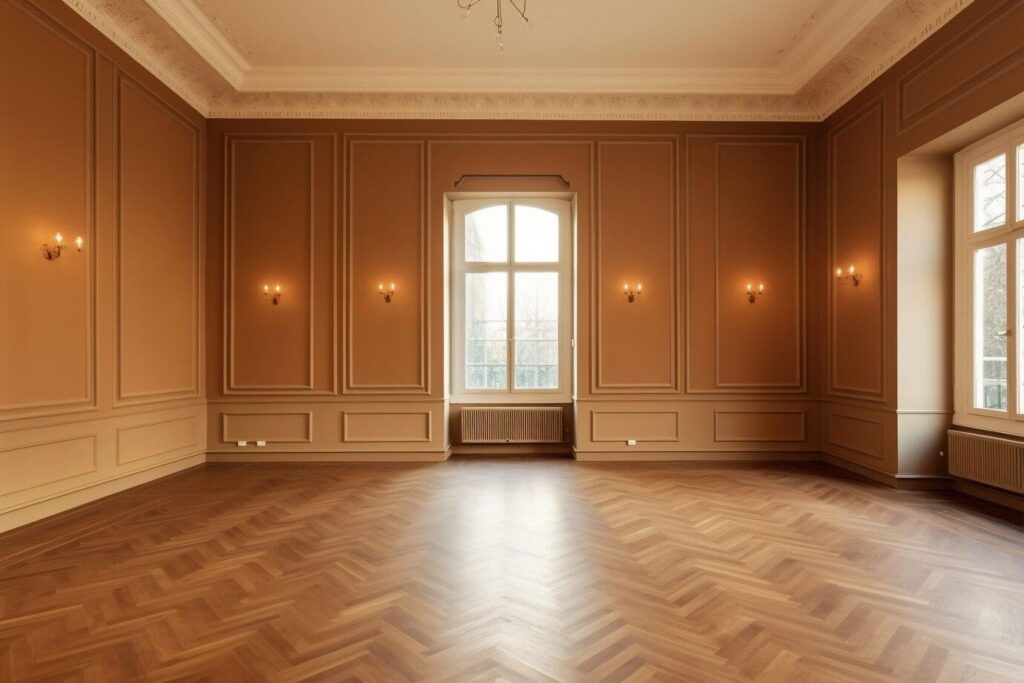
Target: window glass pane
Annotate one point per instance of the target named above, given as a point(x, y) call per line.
point(990, 193)
point(486, 360)
point(536, 235)
point(536, 309)
point(990, 328)
point(1020, 182)
point(487, 235)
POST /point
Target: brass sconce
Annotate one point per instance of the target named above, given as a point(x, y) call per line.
point(52, 253)
point(388, 293)
point(752, 294)
point(850, 275)
point(275, 296)
point(632, 294)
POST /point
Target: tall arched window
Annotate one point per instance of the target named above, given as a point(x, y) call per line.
point(511, 299)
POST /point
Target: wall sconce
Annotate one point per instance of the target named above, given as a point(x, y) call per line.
point(850, 275)
point(386, 293)
point(752, 294)
point(52, 253)
point(275, 296)
point(632, 294)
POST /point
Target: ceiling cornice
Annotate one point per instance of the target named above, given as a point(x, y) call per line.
point(829, 60)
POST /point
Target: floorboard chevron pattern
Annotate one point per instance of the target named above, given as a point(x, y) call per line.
point(514, 570)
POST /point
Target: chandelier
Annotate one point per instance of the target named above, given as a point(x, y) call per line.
point(499, 22)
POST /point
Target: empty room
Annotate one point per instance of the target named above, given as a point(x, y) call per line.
point(512, 340)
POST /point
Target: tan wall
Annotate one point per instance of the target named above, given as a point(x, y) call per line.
point(103, 383)
point(102, 364)
point(694, 211)
point(873, 416)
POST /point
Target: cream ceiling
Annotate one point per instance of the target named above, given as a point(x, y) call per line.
point(578, 59)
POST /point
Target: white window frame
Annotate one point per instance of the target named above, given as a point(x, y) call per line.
point(459, 268)
point(966, 243)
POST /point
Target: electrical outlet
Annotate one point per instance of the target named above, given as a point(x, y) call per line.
point(241, 443)
point(630, 442)
point(261, 444)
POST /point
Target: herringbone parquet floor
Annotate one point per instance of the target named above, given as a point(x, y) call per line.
point(516, 570)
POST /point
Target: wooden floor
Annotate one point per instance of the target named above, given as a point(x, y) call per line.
point(519, 570)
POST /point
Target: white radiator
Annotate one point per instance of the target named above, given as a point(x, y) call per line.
point(511, 424)
point(987, 459)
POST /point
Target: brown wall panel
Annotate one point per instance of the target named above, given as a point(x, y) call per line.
point(857, 223)
point(980, 52)
point(746, 207)
point(158, 260)
point(47, 177)
point(279, 222)
point(386, 242)
point(635, 242)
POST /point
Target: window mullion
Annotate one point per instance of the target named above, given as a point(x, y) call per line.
point(510, 358)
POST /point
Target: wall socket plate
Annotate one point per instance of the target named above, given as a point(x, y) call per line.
point(261, 444)
point(241, 443)
point(630, 442)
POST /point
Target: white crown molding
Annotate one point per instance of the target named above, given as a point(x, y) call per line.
point(180, 44)
point(486, 80)
point(193, 25)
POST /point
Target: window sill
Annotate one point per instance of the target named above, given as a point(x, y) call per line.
point(510, 399)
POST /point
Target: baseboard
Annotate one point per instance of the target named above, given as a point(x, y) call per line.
point(695, 456)
point(90, 493)
point(896, 481)
point(300, 456)
point(488, 450)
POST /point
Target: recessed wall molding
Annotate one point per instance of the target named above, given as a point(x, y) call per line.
point(270, 426)
point(56, 373)
point(856, 215)
point(645, 197)
point(763, 426)
point(858, 434)
point(244, 305)
point(645, 426)
point(161, 437)
point(410, 425)
point(745, 212)
point(32, 465)
point(389, 177)
point(150, 320)
point(928, 90)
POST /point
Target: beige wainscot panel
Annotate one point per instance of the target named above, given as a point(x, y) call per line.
point(50, 469)
point(276, 427)
point(862, 436)
point(697, 430)
point(163, 437)
point(327, 431)
point(763, 425)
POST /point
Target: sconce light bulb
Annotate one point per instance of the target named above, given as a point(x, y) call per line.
point(750, 287)
point(380, 287)
point(851, 270)
point(266, 289)
point(839, 272)
point(59, 238)
point(392, 286)
point(625, 287)
point(277, 288)
point(639, 287)
point(761, 288)
point(79, 242)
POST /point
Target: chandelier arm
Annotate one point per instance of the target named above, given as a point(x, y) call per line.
point(466, 4)
point(520, 10)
